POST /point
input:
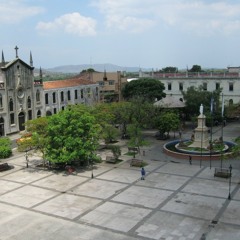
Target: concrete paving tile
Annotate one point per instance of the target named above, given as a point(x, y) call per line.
point(209, 174)
point(164, 225)
point(27, 196)
point(68, 206)
point(97, 169)
point(237, 195)
point(162, 180)
point(142, 196)
point(98, 188)
point(60, 182)
point(232, 213)
point(179, 169)
point(115, 216)
point(121, 175)
point(14, 168)
point(19, 224)
point(27, 175)
point(194, 205)
point(8, 186)
point(208, 187)
point(223, 232)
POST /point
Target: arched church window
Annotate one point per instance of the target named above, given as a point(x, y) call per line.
point(11, 104)
point(29, 103)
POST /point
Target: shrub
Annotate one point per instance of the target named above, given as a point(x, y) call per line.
point(116, 151)
point(5, 148)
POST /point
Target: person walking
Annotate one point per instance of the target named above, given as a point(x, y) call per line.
point(143, 173)
point(190, 159)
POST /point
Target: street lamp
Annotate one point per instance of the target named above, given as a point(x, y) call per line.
point(92, 168)
point(26, 156)
point(230, 178)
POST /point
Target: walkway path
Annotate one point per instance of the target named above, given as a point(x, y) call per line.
point(176, 201)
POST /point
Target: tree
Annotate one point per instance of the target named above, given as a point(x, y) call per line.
point(136, 138)
point(195, 68)
point(72, 136)
point(38, 138)
point(167, 122)
point(169, 70)
point(147, 88)
point(110, 133)
point(194, 97)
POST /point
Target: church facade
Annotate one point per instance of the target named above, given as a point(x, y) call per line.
point(23, 97)
point(20, 95)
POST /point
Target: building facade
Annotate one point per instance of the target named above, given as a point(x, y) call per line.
point(229, 82)
point(110, 84)
point(23, 98)
point(20, 95)
point(59, 94)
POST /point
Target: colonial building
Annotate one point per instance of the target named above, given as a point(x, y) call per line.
point(24, 98)
point(229, 82)
point(20, 94)
point(59, 94)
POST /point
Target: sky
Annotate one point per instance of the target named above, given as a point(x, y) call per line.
point(129, 33)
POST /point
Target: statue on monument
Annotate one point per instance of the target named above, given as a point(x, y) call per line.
point(201, 109)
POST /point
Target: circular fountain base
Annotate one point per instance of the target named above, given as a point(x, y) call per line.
point(175, 149)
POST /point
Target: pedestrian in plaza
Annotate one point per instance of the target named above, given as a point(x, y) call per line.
point(143, 173)
point(190, 159)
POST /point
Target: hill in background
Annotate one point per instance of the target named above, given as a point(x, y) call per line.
point(97, 67)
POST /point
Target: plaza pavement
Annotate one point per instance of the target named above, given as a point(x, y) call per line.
point(176, 201)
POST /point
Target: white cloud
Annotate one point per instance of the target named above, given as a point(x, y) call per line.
point(14, 11)
point(201, 17)
point(72, 23)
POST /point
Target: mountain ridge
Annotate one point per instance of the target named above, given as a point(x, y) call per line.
point(97, 67)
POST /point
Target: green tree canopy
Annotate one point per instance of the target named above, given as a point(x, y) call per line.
point(72, 136)
point(168, 121)
point(147, 88)
point(195, 68)
point(194, 97)
point(169, 69)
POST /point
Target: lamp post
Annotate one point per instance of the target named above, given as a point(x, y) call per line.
point(92, 168)
point(26, 156)
point(230, 178)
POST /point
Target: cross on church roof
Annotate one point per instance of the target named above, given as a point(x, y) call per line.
point(16, 48)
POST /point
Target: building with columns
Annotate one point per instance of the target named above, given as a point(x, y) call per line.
point(228, 81)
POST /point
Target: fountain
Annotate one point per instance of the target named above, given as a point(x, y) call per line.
point(199, 144)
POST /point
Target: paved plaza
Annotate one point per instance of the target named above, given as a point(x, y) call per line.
point(176, 201)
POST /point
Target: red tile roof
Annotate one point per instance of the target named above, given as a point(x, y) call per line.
point(65, 83)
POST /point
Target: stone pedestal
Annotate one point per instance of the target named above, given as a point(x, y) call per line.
point(201, 139)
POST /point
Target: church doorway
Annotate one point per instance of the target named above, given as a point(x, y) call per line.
point(21, 121)
point(2, 127)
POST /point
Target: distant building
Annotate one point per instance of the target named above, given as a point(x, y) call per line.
point(110, 84)
point(229, 82)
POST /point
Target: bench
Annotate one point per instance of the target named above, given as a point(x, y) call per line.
point(222, 172)
point(132, 149)
point(4, 167)
point(136, 162)
point(110, 159)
